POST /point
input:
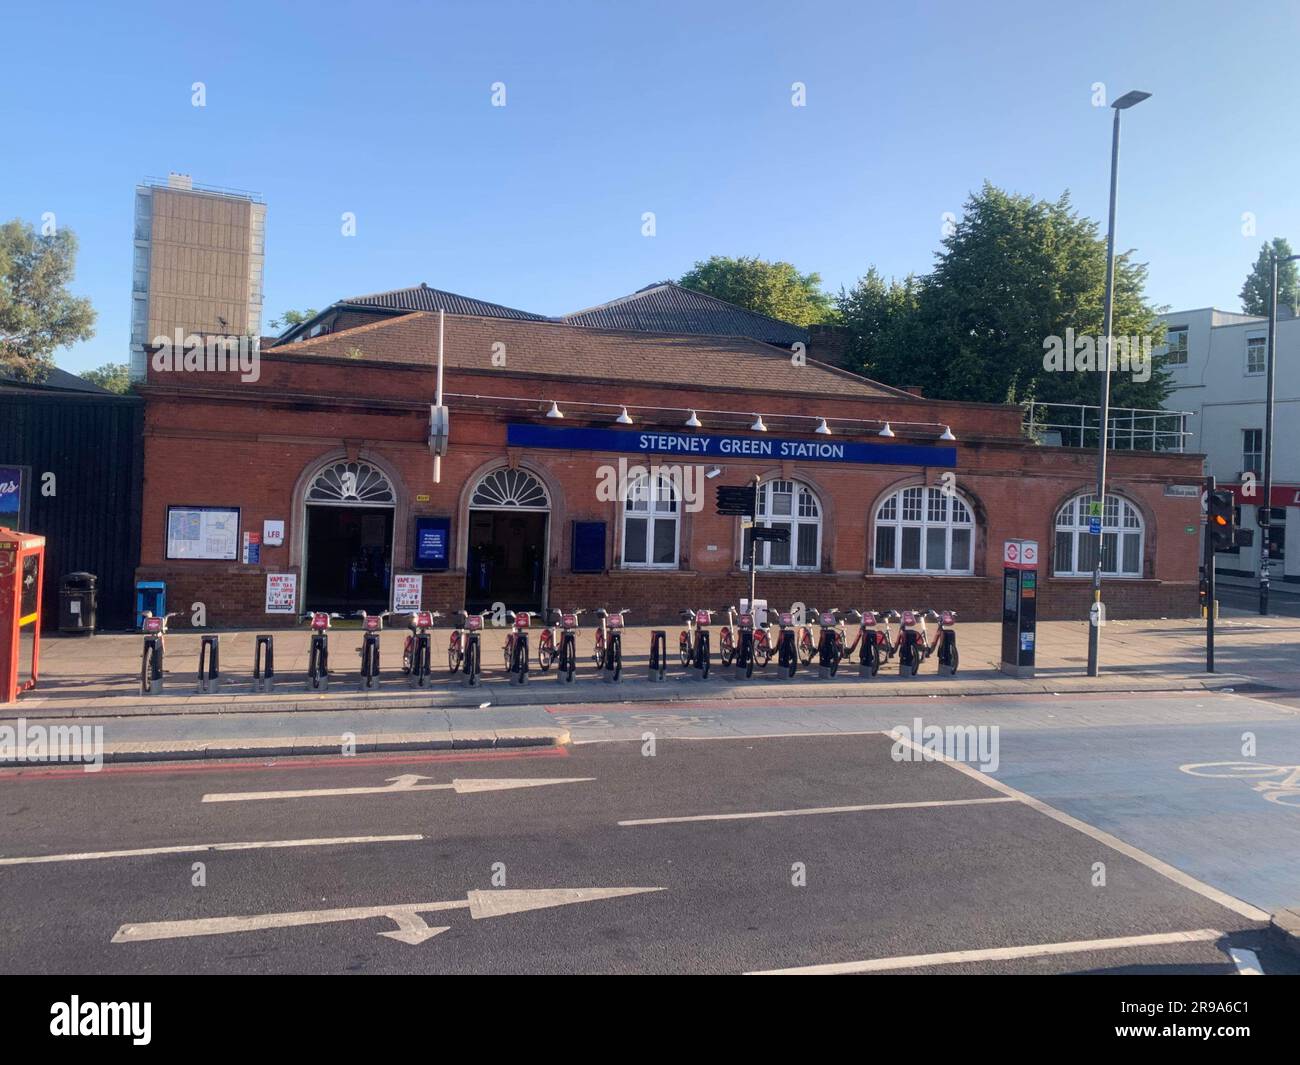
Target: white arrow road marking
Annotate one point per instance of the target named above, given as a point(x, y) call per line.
point(196, 848)
point(399, 785)
point(960, 957)
point(804, 812)
point(410, 927)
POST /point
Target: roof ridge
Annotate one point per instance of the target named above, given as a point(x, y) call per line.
point(680, 288)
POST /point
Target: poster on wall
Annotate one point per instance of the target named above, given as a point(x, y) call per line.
point(14, 481)
point(431, 536)
point(281, 593)
point(406, 592)
point(203, 532)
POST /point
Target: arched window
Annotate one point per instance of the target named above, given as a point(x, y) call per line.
point(924, 530)
point(651, 525)
point(350, 483)
point(1121, 538)
point(508, 489)
point(788, 505)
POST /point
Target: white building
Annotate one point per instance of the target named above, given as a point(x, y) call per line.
point(1217, 360)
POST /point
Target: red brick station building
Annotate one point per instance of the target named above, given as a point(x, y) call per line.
point(317, 477)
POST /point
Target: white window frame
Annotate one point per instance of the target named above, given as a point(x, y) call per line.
point(913, 507)
point(1262, 348)
point(805, 513)
point(1120, 519)
point(654, 508)
point(1257, 467)
point(1176, 354)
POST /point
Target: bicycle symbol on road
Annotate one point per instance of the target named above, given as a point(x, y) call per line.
point(1277, 783)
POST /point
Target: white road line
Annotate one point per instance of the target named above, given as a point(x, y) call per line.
point(959, 957)
point(806, 811)
point(399, 786)
point(1236, 905)
point(1246, 961)
point(198, 848)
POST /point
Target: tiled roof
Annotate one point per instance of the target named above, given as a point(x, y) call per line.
point(669, 308)
point(555, 349)
point(423, 298)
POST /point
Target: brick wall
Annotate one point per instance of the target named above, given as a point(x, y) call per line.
point(250, 449)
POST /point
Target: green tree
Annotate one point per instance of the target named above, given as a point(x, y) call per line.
point(114, 376)
point(1255, 292)
point(37, 313)
point(879, 317)
point(289, 318)
point(1014, 273)
point(776, 289)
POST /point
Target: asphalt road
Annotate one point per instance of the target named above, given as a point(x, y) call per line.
point(1280, 604)
point(943, 860)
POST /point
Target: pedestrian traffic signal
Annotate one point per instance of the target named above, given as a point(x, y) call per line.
point(1221, 520)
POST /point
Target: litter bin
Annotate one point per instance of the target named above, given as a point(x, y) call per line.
point(78, 600)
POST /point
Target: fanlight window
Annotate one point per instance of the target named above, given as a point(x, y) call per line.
point(351, 482)
point(510, 488)
point(1120, 540)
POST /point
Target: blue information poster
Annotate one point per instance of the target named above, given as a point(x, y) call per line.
point(431, 537)
point(13, 496)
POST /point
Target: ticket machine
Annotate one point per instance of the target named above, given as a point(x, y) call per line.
point(1019, 606)
point(22, 569)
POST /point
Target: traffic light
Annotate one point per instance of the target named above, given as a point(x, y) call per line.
point(1221, 520)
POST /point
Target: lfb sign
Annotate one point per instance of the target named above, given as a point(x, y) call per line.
point(1020, 554)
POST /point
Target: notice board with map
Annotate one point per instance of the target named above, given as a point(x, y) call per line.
point(203, 532)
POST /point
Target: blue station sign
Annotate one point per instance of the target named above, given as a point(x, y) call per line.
point(713, 446)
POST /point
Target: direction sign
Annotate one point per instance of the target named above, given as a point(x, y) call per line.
point(737, 500)
point(772, 536)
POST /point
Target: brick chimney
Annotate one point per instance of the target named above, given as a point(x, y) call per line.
point(829, 344)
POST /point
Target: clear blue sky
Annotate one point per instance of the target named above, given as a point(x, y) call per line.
point(683, 109)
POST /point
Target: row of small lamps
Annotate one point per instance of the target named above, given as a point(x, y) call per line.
point(693, 422)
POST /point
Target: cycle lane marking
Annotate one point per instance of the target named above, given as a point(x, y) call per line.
point(200, 848)
point(1156, 865)
point(960, 957)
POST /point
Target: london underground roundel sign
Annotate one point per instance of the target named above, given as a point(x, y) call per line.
point(1020, 554)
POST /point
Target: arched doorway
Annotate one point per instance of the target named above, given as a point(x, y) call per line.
point(348, 556)
point(508, 526)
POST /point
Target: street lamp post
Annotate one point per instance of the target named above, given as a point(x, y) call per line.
point(1129, 99)
point(1266, 512)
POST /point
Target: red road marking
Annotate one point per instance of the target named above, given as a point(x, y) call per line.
point(818, 701)
point(296, 762)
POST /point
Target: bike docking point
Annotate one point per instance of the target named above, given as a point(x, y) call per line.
point(469, 680)
point(263, 663)
point(658, 655)
point(608, 675)
point(864, 670)
point(209, 667)
point(520, 678)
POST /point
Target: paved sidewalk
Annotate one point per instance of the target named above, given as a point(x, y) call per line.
point(98, 677)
